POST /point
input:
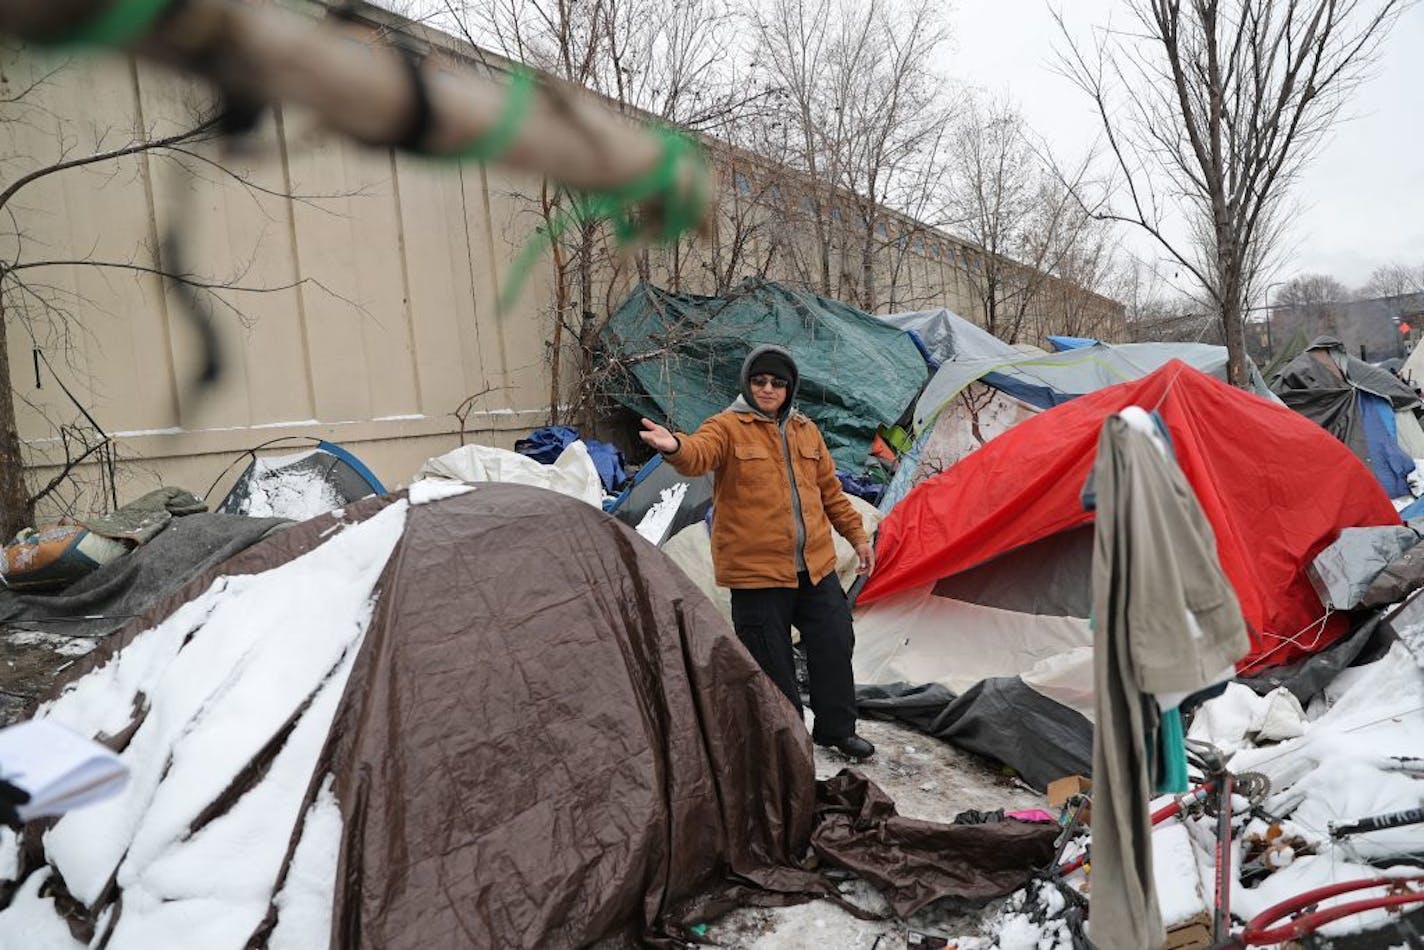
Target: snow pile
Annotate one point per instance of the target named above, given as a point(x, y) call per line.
point(429, 490)
point(232, 698)
point(1337, 764)
point(1034, 918)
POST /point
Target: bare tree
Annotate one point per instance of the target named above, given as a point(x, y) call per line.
point(1394, 280)
point(1037, 239)
point(1080, 301)
point(667, 60)
point(1314, 303)
point(864, 116)
point(1210, 110)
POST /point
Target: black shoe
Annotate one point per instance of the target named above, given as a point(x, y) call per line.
point(852, 746)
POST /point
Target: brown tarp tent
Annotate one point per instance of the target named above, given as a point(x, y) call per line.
point(548, 738)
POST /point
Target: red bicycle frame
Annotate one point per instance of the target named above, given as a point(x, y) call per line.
point(1169, 810)
point(1259, 931)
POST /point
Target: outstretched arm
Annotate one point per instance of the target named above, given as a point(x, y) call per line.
point(695, 454)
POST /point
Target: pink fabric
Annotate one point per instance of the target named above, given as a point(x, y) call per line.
point(1031, 814)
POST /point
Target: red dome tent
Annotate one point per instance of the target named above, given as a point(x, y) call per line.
point(1276, 487)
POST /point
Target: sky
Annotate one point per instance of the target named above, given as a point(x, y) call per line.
point(1360, 203)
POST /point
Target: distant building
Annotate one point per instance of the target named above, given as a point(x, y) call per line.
point(1374, 330)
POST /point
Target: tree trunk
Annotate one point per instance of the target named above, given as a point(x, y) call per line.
point(16, 511)
point(867, 266)
point(1234, 332)
point(588, 325)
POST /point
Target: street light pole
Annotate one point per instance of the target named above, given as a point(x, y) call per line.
point(1270, 347)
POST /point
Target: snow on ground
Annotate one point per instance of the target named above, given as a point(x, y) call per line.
point(216, 681)
point(53, 642)
point(1339, 771)
point(1335, 766)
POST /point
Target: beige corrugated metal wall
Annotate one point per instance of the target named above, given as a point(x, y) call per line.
point(373, 310)
point(362, 285)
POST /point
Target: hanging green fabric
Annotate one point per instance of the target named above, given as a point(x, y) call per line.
point(116, 23)
point(1171, 754)
point(680, 211)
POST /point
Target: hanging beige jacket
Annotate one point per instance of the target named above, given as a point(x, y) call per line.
point(1166, 620)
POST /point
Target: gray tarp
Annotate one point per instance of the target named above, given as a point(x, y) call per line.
point(1406, 622)
point(1323, 384)
point(948, 336)
point(1001, 717)
point(1304, 678)
point(104, 601)
point(140, 520)
point(1072, 372)
point(1343, 571)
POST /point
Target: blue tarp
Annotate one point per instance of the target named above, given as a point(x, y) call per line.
point(546, 444)
point(1061, 343)
point(1389, 462)
point(860, 487)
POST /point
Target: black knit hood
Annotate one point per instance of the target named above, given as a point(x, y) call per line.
point(769, 358)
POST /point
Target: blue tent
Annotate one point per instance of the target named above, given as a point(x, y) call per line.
point(1061, 343)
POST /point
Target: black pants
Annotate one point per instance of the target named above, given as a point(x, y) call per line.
point(763, 619)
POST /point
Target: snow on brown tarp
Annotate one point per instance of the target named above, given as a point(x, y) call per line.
point(550, 738)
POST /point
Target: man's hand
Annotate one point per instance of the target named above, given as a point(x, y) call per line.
point(866, 553)
point(658, 437)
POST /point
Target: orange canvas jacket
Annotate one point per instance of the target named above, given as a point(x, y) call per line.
point(753, 531)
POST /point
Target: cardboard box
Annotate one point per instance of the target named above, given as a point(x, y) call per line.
point(1062, 789)
point(1192, 934)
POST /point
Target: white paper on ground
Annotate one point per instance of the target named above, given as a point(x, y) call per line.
point(59, 768)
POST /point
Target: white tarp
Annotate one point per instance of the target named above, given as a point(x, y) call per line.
point(917, 636)
point(572, 474)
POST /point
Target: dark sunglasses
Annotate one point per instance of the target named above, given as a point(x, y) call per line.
point(775, 382)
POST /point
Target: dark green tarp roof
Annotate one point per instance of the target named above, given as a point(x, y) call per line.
point(685, 351)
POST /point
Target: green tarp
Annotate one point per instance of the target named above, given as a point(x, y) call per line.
point(685, 352)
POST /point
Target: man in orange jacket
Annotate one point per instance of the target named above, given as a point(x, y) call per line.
point(775, 497)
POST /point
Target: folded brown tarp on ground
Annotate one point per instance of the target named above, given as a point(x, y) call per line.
point(914, 863)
